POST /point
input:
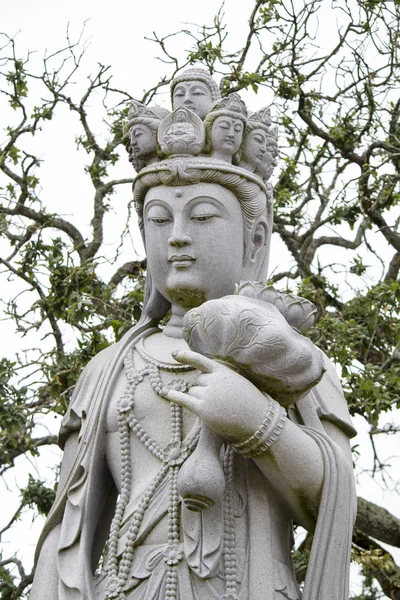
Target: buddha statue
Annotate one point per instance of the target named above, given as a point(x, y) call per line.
point(255, 137)
point(269, 160)
point(143, 123)
point(195, 89)
point(224, 125)
point(119, 528)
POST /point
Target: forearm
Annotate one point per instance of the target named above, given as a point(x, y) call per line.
point(294, 467)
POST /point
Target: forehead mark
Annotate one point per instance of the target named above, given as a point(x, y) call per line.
point(178, 193)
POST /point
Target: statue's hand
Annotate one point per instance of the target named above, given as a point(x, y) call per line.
point(227, 402)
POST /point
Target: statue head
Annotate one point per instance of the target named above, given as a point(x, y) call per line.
point(270, 159)
point(206, 222)
point(255, 138)
point(206, 226)
point(143, 123)
point(195, 89)
point(225, 125)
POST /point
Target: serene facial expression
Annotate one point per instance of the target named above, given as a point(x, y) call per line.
point(226, 135)
point(194, 242)
point(142, 141)
point(254, 147)
point(269, 161)
point(195, 95)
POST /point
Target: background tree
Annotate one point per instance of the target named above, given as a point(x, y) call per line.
point(336, 215)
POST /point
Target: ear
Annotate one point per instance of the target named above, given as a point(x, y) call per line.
point(257, 248)
point(259, 237)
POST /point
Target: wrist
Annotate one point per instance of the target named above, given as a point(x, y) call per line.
point(266, 434)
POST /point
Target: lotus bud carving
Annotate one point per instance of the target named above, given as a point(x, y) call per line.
point(301, 314)
point(252, 337)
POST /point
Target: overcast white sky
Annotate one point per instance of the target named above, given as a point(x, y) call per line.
point(117, 30)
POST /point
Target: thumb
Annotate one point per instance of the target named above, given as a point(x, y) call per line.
point(196, 360)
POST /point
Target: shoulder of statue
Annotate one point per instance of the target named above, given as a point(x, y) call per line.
point(326, 401)
point(88, 394)
point(83, 394)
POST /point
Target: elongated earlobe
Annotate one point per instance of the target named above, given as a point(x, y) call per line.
point(257, 250)
point(259, 239)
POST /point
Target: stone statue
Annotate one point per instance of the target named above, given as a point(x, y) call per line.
point(183, 470)
point(143, 123)
point(269, 160)
point(255, 140)
point(195, 89)
point(224, 127)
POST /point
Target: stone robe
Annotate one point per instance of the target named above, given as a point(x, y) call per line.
point(85, 504)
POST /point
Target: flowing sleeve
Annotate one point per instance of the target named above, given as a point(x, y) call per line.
point(325, 401)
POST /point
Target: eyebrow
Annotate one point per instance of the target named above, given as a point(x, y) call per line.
point(206, 200)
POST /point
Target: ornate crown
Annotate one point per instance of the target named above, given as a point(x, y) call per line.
point(140, 113)
point(232, 106)
point(182, 134)
point(261, 118)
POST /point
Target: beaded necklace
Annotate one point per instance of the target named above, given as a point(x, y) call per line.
point(172, 457)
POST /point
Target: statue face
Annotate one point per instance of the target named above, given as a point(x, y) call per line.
point(254, 147)
point(269, 160)
point(195, 95)
point(142, 141)
point(194, 241)
point(226, 135)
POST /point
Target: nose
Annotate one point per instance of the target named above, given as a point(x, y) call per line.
point(179, 236)
point(179, 241)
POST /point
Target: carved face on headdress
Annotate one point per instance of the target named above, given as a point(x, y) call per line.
point(143, 126)
point(226, 135)
point(196, 90)
point(142, 141)
point(270, 158)
point(255, 140)
point(253, 148)
point(224, 126)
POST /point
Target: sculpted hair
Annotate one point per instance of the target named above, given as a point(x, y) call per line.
point(248, 189)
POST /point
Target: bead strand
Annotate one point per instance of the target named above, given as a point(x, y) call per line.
point(126, 478)
point(144, 437)
point(176, 423)
point(229, 549)
point(159, 363)
point(172, 554)
point(133, 531)
point(119, 570)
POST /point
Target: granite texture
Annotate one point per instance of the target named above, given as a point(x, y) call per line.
point(190, 449)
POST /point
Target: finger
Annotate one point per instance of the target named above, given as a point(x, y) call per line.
point(182, 399)
point(196, 360)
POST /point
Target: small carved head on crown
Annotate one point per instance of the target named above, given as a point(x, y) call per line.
point(255, 140)
point(142, 125)
point(195, 89)
point(270, 158)
point(224, 125)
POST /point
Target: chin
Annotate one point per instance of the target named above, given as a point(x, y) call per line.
point(186, 296)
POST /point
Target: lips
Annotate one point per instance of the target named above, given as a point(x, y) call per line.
point(182, 260)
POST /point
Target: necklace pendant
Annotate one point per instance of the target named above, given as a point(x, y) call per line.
point(175, 453)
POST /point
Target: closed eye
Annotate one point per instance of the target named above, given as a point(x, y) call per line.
point(202, 218)
point(159, 220)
